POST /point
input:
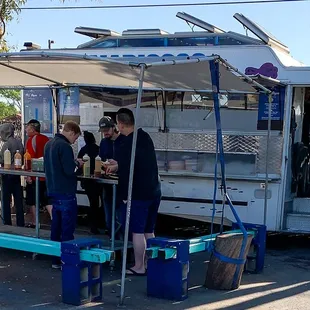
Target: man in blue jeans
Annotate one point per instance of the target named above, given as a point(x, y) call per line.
point(61, 183)
point(146, 192)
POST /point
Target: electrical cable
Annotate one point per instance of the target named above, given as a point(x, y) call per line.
point(159, 5)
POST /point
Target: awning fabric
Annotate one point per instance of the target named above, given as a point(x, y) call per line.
point(29, 69)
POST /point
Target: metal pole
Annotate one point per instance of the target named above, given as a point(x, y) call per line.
point(37, 208)
point(131, 172)
point(113, 224)
point(2, 215)
point(288, 102)
point(267, 158)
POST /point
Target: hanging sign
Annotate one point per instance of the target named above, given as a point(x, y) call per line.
point(69, 101)
point(38, 104)
point(277, 110)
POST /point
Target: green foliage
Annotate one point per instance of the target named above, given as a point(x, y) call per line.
point(12, 97)
point(8, 11)
point(7, 110)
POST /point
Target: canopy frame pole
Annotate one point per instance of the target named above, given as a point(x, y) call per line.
point(287, 142)
point(215, 78)
point(131, 174)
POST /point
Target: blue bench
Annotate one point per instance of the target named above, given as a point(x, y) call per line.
point(82, 260)
point(168, 260)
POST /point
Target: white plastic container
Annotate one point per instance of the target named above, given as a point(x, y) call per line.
point(7, 159)
point(86, 166)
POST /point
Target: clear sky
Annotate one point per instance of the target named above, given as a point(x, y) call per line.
point(289, 22)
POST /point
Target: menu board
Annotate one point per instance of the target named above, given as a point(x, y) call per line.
point(69, 101)
point(38, 104)
point(277, 110)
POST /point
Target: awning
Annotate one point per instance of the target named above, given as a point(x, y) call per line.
point(29, 69)
point(267, 81)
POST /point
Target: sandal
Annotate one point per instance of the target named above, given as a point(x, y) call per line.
point(134, 273)
point(30, 225)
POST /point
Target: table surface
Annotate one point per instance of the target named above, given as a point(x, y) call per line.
point(104, 180)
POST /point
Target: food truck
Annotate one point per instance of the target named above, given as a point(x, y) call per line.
point(182, 124)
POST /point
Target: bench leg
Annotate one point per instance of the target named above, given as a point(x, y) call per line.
point(168, 279)
point(81, 281)
point(258, 244)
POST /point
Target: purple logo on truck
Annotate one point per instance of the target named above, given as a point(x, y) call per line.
point(267, 69)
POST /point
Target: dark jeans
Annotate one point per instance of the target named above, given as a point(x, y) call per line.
point(11, 186)
point(108, 207)
point(93, 191)
point(64, 219)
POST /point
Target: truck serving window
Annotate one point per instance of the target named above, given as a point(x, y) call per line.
point(143, 42)
point(198, 41)
point(105, 44)
point(208, 40)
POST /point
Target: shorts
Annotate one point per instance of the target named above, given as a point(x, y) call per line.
point(143, 215)
point(31, 194)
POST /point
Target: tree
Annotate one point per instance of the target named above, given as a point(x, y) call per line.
point(7, 110)
point(8, 9)
point(12, 97)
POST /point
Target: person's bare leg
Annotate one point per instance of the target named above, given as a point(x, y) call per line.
point(139, 246)
point(49, 210)
point(33, 214)
point(147, 236)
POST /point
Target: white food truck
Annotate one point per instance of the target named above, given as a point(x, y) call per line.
point(182, 125)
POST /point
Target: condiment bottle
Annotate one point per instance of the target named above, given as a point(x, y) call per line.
point(7, 159)
point(27, 161)
point(97, 171)
point(86, 166)
point(17, 160)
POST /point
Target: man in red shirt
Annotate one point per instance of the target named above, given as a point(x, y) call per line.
point(35, 147)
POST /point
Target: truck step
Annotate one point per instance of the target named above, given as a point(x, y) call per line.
point(298, 222)
point(301, 205)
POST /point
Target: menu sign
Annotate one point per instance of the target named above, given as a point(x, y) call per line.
point(277, 110)
point(69, 101)
point(38, 104)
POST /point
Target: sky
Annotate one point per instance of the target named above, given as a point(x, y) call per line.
point(288, 22)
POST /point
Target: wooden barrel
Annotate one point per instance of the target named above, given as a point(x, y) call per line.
point(221, 273)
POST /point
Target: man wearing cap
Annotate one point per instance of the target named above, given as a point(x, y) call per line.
point(109, 148)
point(35, 146)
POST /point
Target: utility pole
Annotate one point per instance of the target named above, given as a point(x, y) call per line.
point(50, 42)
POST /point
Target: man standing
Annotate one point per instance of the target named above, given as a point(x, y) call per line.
point(109, 148)
point(92, 188)
point(11, 184)
point(146, 192)
point(35, 146)
point(61, 182)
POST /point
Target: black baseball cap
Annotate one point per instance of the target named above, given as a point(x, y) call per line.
point(35, 123)
point(106, 122)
